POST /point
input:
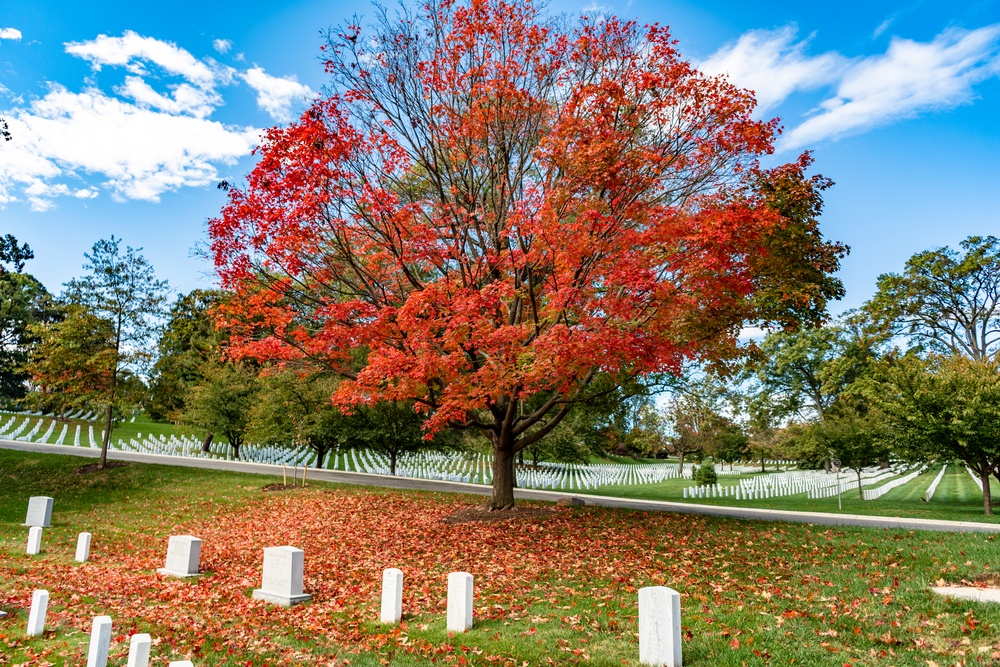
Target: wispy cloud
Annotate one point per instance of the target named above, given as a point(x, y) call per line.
point(10, 33)
point(222, 45)
point(131, 49)
point(882, 27)
point(909, 78)
point(275, 95)
point(860, 93)
point(774, 65)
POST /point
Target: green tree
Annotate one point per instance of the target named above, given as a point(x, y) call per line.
point(731, 442)
point(945, 300)
point(291, 410)
point(562, 445)
point(705, 474)
point(222, 402)
point(805, 371)
point(14, 254)
point(695, 416)
point(949, 406)
point(72, 364)
point(121, 287)
point(391, 428)
point(23, 301)
point(189, 340)
point(856, 437)
point(795, 252)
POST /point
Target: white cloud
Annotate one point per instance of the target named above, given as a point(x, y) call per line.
point(752, 333)
point(131, 49)
point(275, 95)
point(10, 33)
point(184, 98)
point(773, 65)
point(594, 8)
point(134, 141)
point(137, 152)
point(222, 45)
point(883, 26)
point(909, 78)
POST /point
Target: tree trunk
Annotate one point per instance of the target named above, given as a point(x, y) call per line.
point(206, 443)
point(680, 468)
point(320, 456)
point(236, 449)
point(861, 494)
point(762, 469)
point(503, 472)
point(984, 475)
point(103, 461)
point(392, 463)
point(534, 458)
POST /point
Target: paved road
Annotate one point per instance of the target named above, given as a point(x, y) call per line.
point(365, 479)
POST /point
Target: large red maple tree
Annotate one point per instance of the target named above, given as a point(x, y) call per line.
point(493, 209)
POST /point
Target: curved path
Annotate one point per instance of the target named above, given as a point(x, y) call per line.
point(366, 479)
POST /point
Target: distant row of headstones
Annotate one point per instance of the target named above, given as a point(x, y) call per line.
point(281, 584)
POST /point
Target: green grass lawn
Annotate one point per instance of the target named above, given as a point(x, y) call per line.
point(957, 497)
point(130, 429)
point(557, 590)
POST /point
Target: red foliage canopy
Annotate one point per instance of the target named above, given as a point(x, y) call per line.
point(493, 207)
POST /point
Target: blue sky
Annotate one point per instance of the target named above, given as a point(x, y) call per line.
point(126, 115)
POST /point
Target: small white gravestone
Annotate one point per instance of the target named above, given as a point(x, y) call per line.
point(83, 547)
point(34, 540)
point(36, 617)
point(39, 511)
point(183, 552)
point(659, 627)
point(100, 642)
point(392, 595)
point(282, 579)
point(181, 663)
point(138, 650)
point(2, 613)
point(459, 601)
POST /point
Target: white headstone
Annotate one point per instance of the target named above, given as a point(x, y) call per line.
point(181, 663)
point(459, 601)
point(36, 617)
point(183, 552)
point(138, 650)
point(282, 577)
point(2, 613)
point(392, 595)
point(39, 511)
point(100, 642)
point(659, 627)
point(83, 547)
point(34, 540)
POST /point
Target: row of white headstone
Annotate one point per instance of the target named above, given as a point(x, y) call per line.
point(282, 576)
point(139, 649)
point(878, 492)
point(659, 607)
